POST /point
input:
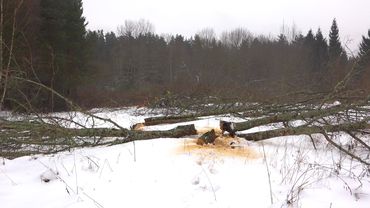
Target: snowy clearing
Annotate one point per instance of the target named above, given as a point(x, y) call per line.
point(280, 172)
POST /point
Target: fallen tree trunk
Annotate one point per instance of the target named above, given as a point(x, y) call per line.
point(194, 116)
point(169, 119)
point(37, 137)
point(291, 116)
point(39, 130)
point(179, 131)
point(306, 130)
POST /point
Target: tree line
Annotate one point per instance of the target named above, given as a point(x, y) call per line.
point(46, 42)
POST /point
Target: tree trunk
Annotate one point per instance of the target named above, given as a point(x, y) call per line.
point(307, 130)
point(1, 46)
point(17, 138)
point(286, 117)
point(192, 117)
point(38, 131)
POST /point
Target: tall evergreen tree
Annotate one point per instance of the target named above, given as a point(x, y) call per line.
point(75, 33)
point(365, 46)
point(364, 52)
point(62, 34)
point(309, 39)
point(335, 47)
point(310, 52)
point(321, 52)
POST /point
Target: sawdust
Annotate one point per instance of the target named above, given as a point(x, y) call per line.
point(138, 127)
point(221, 147)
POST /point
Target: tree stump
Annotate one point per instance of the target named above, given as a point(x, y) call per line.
point(207, 138)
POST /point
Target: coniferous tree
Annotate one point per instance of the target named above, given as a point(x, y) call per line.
point(75, 33)
point(335, 47)
point(362, 68)
point(62, 34)
point(337, 56)
point(282, 40)
point(321, 52)
point(309, 39)
point(365, 46)
point(364, 52)
point(309, 49)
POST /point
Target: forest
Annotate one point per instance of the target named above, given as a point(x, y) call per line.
point(45, 44)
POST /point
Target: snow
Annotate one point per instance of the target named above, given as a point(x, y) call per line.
point(170, 172)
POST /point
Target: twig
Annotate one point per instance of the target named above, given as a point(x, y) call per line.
point(75, 167)
point(105, 162)
point(11, 180)
point(268, 172)
point(65, 183)
point(210, 183)
point(342, 149)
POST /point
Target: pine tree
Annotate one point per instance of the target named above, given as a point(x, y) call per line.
point(335, 48)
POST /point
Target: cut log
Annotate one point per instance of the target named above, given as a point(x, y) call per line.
point(304, 130)
point(46, 138)
point(169, 119)
point(286, 117)
point(37, 129)
point(192, 117)
point(177, 132)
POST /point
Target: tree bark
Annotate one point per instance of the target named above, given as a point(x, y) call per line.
point(39, 131)
point(307, 130)
point(192, 117)
point(169, 119)
point(286, 117)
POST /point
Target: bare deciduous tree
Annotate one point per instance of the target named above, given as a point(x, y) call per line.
point(290, 32)
point(236, 37)
point(207, 36)
point(135, 28)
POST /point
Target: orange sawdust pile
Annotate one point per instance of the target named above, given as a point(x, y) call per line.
point(221, 147)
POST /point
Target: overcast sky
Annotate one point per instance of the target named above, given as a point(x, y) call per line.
point(258, 16)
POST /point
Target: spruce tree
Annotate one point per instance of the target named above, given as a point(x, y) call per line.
point(310, 52)
point(309, 39)
point(321, 52)
point(75, 33)
point(335, 48)
point(62, 34)
point(364, 52)
point(365, 46)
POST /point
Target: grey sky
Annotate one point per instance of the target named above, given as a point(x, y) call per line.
point(258, 16)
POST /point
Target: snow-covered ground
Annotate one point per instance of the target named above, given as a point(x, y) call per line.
point(280, 172)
